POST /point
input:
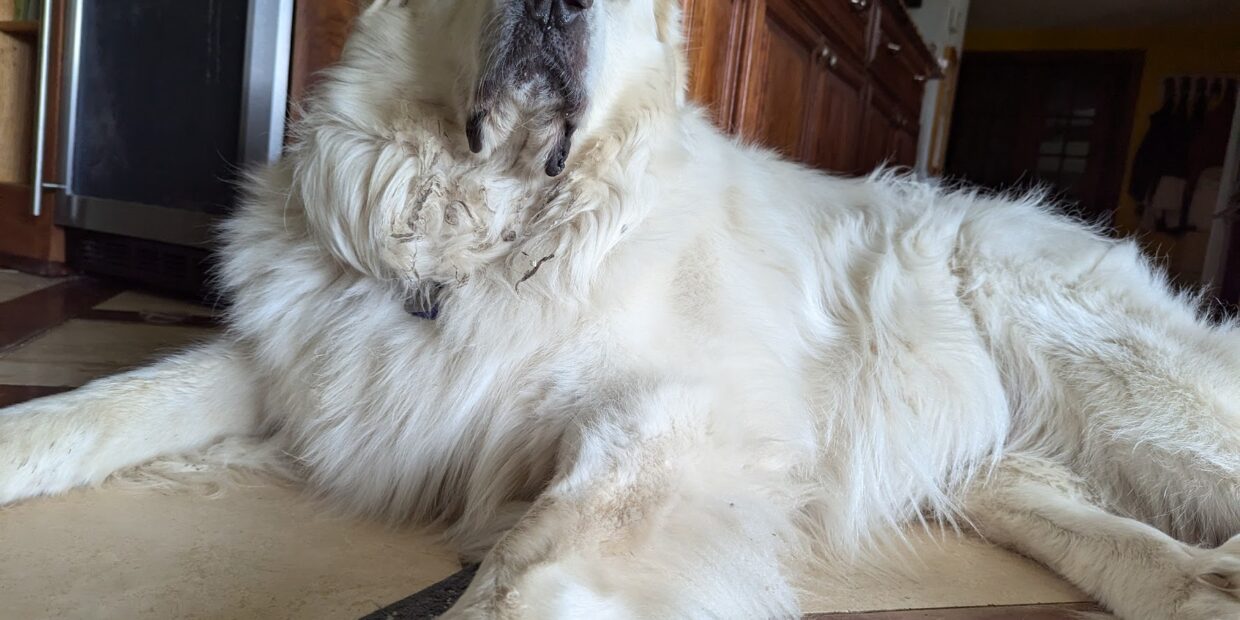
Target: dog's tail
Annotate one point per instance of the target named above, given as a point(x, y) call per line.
point(183, 403)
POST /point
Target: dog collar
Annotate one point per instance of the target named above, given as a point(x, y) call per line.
point(430, 314)
point(425, 303)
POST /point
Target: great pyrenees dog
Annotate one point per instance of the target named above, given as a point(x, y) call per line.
point(508, 285)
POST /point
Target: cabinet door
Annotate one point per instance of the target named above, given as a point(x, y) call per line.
point(838, 114)
point(904, 147)
point(780, 77)
point(878, 139)
point(802, 89)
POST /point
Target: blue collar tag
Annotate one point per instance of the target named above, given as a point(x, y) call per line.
point(425, 305)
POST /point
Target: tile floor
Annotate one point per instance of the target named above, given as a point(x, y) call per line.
point(263, 551)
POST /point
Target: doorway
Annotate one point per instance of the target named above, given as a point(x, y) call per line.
point(1058, 120)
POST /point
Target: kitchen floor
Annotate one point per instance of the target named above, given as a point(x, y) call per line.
point(263, 551)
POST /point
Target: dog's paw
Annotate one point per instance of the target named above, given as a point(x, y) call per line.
point(44, 450)
point(19, 459)
point(1215, 589)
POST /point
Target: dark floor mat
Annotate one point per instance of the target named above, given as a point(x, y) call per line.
point(428, 603)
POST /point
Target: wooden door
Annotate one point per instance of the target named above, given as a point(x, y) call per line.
point(777, 100)
point(1061, 120)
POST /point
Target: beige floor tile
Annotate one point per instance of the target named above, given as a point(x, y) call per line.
point(256, 553)
point(133, 301)
point(265, 552)
point(942, 571)
point(14, 284)
point(79, 351)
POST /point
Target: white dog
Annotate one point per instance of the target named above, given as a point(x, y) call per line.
point(667, 366)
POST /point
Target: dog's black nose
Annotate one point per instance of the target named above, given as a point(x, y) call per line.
point(556, 11)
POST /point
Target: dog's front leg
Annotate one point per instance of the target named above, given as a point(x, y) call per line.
point(182, 403)
point(647, 517)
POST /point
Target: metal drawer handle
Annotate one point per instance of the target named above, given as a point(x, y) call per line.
point(825, 54)
point(919, 78)
point(40, 126)
point(894, 47)
point(859, 5)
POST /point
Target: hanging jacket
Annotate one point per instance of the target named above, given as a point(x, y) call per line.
point(1150, 162)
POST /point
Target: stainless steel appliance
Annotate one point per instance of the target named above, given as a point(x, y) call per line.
point(164, 103)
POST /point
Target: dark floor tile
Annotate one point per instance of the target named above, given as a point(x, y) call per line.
point(26, 317)
point(14, 394)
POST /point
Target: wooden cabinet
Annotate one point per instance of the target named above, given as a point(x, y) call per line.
point(836, 84)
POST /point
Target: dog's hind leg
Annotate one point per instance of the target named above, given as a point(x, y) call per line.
point(1041, 509)
point(1108, 368)
point(185, 402)
point(643, 519)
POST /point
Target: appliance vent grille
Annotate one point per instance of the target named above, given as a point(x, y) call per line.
point(175, 269)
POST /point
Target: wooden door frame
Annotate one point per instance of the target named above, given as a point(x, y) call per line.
point(27, 242)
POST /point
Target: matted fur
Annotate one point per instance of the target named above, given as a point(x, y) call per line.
point(663, 378)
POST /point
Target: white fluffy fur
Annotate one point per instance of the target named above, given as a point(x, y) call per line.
point(662, 379)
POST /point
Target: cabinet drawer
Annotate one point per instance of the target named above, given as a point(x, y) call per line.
point(845, 22)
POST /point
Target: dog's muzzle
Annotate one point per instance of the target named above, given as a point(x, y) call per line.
point(538, 48)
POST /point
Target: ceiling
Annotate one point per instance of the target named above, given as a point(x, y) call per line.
point(1036, 14)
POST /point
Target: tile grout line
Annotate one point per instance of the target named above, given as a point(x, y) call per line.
point(436, 599)
point(149, 318)
point(1032, 611)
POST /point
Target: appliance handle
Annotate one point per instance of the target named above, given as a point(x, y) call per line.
point(40, 127)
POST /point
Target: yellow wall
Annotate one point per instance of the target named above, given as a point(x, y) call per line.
point(1168, 51)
